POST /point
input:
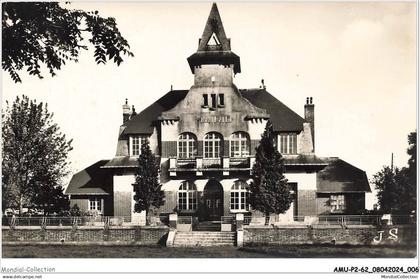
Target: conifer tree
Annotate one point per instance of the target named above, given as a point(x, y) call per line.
point(269, 191)
point(147, 189)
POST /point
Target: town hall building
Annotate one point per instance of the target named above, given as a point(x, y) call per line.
point(205, 138)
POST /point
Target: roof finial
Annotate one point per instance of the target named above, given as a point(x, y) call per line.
point(126, 101)
point(262, 84)
point(171, 87)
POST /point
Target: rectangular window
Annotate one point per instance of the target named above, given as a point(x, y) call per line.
point(95, 203)
point(292, 148)
point(337, 203)
point(135, 144)
point(205, 100)
point(287, 143)
point(283, 144)
point(221, 100)
point(213, 100)
point(239, 200)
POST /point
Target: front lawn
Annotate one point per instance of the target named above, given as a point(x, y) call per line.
point(267, 251)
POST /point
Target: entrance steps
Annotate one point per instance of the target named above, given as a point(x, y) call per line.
point(208, 226)
point(204, 238)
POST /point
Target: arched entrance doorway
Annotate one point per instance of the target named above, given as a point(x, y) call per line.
point(213, 201)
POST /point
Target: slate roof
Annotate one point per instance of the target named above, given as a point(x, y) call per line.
point(91, 181)
point(284, 119)
point(340, 176)
point(215, 57)
point(122, 162)
point(125, 162)
point(143, 121)
point(302, 160)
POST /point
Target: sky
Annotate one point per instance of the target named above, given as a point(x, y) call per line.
point(356, 59)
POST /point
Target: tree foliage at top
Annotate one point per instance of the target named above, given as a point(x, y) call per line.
point(270, 192)
point(147, 189)
point(44, 33)
point(34, 157)
point(397, 188)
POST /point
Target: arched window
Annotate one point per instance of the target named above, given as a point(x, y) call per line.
point(239, 145)
point(239, 196)
point(187, 146)
point(212, 145)
point(187, 196)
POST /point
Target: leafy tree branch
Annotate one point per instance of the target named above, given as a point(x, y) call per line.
point(45, 33)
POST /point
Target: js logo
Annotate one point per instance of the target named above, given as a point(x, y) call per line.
point(393, 235)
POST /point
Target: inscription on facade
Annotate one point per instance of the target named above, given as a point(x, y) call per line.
point(216, 119)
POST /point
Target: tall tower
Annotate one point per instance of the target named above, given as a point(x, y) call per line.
point(214, 64)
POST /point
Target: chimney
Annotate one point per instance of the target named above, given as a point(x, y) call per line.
point(310, 118)
point(126, 111)
point(133, 111)
point(262, 84)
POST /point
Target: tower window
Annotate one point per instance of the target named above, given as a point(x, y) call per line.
point(214, 40)
point(213, 100)
point(221, 100)
point(205, 100)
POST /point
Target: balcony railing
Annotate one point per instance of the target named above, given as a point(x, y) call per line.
point(201, 164)
point(212, 163)
point(238, 162)
point(187, 163)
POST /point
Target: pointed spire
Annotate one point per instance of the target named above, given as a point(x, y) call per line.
point(214, 36)
point(214, 46)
